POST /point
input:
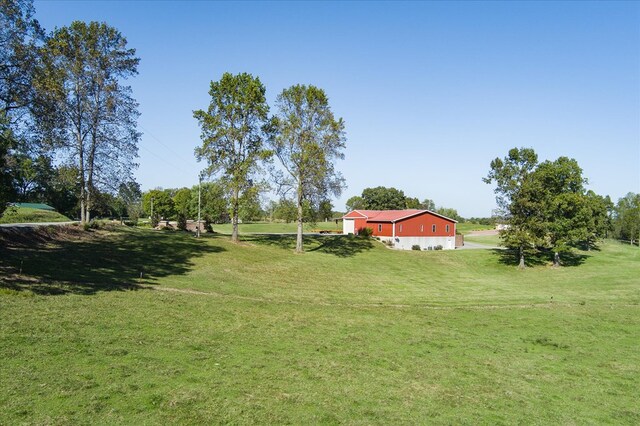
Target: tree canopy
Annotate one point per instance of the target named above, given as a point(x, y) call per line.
point(308, 140)
point(233, 135)
point(546, 204)
point(85, 109)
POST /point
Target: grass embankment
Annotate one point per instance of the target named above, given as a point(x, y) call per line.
point(348, 332)
point(29, 215)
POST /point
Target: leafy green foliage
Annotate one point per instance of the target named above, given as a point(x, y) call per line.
point(449, 212)
point(627, 218)
point(308, 140)
point(6, 183)
point(355, 203)
point(20, 37)
point(382, 198)
point(365, 232)
point(214, 203)
point(233, 134)
point(158, 204)
point(83, 108)
point(546, 204)
point(128, 201)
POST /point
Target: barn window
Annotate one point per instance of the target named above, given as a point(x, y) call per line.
point(400, 227)
point(379, 227)
point(433, 228)
point(447, 229)
point(421, 228)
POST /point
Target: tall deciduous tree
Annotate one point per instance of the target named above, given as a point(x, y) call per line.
point(233, 135)
point(85, 107)
point(546, 204)
point(514, 191)
point(307, 142)
point(20, 35)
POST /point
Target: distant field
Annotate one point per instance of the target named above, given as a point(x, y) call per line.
point(29, 215)
point(489, 240)
point(276, 227)
point(466, 227)
point(348, 332)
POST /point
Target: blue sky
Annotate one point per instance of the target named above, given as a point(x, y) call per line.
point(430, 92)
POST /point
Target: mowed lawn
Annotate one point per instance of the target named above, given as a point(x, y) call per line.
point(277, 227)
point(349, 332)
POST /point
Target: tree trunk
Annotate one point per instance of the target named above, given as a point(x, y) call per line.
point(556, 260)
point(82, 221)
point(299, 246)
point(83, 189)
point(234, 218)
point(521, 265)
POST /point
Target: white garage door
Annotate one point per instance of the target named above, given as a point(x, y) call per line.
point(348, 226)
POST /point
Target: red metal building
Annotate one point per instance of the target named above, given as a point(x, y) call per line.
point(404, 228)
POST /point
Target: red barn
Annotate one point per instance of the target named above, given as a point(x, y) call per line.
point(404, 228)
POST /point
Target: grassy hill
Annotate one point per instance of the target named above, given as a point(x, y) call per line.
point(348, 332)
point(29, 215)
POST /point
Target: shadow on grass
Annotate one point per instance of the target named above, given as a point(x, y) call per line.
point(539, 258)
point(337, 245)
point(50, 262)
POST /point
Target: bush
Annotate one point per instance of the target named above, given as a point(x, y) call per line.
point(416, 247)
point(94, 224)
point(438, 247)
point(365, 232)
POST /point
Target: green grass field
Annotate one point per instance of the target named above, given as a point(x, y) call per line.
point(29, 215)
point(466, 227)
point(349, 332)
point(276, 227)
point(489, 240)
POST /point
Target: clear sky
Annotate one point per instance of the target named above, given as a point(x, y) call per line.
point(430, 92)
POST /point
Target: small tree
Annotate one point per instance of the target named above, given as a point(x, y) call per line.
point(308, 140)
point(181, 202)
point(233, 135)
point(158, 204)
point(214, 206)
